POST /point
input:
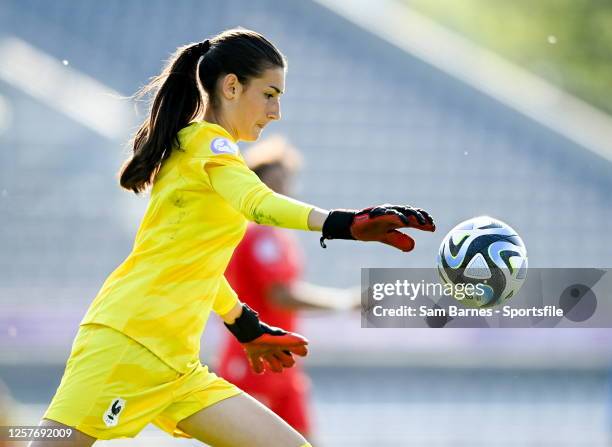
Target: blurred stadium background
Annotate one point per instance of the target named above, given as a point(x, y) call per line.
point(387, 105)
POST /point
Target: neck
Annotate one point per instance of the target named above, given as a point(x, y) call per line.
point(215, 118)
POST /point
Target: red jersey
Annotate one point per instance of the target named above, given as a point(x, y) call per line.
point(265, 256)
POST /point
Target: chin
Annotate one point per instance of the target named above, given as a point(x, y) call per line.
point(250, 138)
point(253, 136)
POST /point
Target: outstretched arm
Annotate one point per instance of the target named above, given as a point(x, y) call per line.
point(247, 194)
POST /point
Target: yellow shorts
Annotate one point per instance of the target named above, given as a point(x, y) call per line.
point(113, 387)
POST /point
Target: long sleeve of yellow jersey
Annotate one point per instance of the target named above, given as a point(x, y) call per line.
point(246, 193)
point(226, 298)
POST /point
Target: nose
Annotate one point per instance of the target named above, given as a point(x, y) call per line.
point(274, 112)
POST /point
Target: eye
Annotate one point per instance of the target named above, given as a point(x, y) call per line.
point(268, 95)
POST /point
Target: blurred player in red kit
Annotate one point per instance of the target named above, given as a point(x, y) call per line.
point(265, 271)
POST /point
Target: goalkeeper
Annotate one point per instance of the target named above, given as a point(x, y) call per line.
point(135, 358)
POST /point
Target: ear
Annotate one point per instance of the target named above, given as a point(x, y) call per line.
point(231, 88)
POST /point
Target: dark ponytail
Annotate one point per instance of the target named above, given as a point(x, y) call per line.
point(178, 100)
point(176, 104)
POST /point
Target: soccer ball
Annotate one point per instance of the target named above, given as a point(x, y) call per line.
point(487, 253)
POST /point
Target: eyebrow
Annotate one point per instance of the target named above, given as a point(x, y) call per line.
point(278, 90)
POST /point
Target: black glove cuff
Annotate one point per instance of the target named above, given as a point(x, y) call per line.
point(337, 225)
point(247, 326)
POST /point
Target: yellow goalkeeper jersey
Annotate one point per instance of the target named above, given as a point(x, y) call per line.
point(163, 293)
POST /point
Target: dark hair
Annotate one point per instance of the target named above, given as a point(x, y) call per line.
point(178, 99)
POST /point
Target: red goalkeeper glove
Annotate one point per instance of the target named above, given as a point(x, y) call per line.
point(379, 223)
point(266, 347)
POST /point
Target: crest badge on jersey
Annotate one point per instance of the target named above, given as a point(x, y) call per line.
point(111, 415)
point(223, 146)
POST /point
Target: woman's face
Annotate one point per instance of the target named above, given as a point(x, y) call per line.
point(257, 104)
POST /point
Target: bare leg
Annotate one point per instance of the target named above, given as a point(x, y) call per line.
point(240, 421)
point(78, 439)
